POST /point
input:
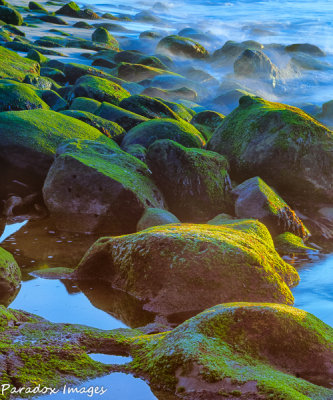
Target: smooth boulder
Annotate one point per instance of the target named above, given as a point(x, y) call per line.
point(283, 145)
point(165, 265)
point(95, 187)
point(195, 182)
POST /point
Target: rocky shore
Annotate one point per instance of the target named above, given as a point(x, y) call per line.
point(198, 192)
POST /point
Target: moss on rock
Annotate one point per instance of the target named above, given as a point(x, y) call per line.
point(19, 96)
point(10, 274)
point(179, 131)
point(285, 146)
point(10, 16)
point(165, 265)
point(206, 122)
point(99, 89)
point(13, 66)
point(29, 140)
point(108, 128)
point(178, 45)
point(248, 350)
point(101, 35)
point(148, 107)
point(195, 182)
point(96, 187)
point(289, 244)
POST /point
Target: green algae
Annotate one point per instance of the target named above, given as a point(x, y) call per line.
point(13, 66)
point(179, 131)
point(179, 45)
point(226, 346)
point(290, 244)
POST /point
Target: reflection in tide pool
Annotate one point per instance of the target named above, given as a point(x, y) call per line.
point(50, 299)
point(10, 229)
point(118, 386)
point(314, 293)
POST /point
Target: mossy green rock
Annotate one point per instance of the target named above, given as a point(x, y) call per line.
point(122, 117)
point(182, 111)
point(282, 144)
point(108, 128)
point(155, 217)
point(85, 104)
point(180, 131)
point(165, 265)
point(10, 274)
point(37, 56)
point(16, 96)
point(195, 182)
point(247, 350)
point(95, 187)
point(99, 89)
point(10, 16)
point(70, 9)
point(289, 244)
point(52, 99)
point(101, 35)
point(29, 140)
point(13, 66)
point(34, 6)
point(37, 352)
point(255, 199)
point(181, 46)
point(139, 72)
point(206, 122)
point(148, 107)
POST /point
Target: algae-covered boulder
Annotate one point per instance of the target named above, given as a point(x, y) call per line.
point(181, 46)
point(94, 187)
point(85, 104)
point(282, 144)
point(155, 217)
point(207, 121)
point(148, 107)
point(165, 265)
point(37, 56)
point(242, 350)
point(71, 9)
point(99, 89)
point(195, 182)
point(108, 128)
point(122, 117)
point(180, 131)
point(10, 274)
point(54, 354)
point(29, 140)
point(255, 199)
point(101, 35)
point(34, 6)
point(10, 16)
point(13, 66)
point(139, 72)
point(289, 244)
point(16, 96)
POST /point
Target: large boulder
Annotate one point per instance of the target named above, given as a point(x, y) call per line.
point(242, 350)
point(94, 187)
point(255, 199)
point(10, 16)
point(181, 46)
point(108, 128)
point(101, 35)
point(71, 9)
point(16, 96)
point(139, 72)
point(120, 116)
point(29, 140)
point(185, 267)
point(206, 122)
point(282, 144)
point(99, 89)
point(13, 66)
point(255, 64)
point(180, 131)
point(10, 275)
point(148, 107)
point(195, 182)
